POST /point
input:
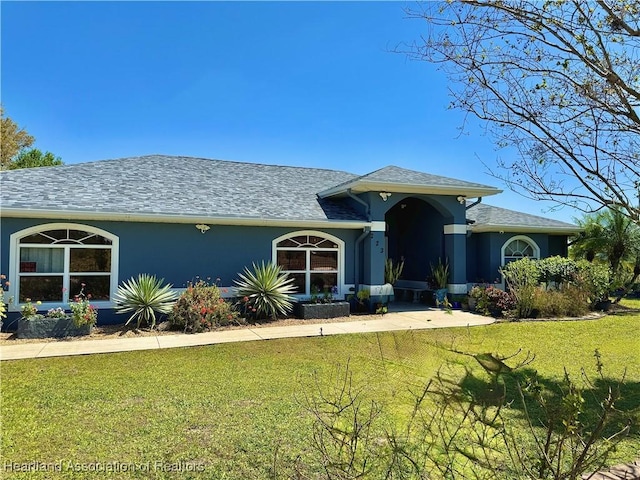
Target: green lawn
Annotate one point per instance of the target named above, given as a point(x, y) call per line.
point(631, 302)
point(229, 408)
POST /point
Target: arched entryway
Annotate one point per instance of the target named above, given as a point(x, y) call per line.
point(415, 234)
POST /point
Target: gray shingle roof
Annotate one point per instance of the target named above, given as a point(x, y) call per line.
point(187, 187)
point(180, 186)
point(403, 179)
point(488, 218)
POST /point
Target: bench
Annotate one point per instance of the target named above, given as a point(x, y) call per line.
point(415, 287)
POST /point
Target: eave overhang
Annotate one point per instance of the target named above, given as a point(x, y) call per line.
point(552, 230)
point(415, 189)
point(180, 219)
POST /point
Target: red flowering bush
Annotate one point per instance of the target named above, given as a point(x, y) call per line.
point(492, 301)
point(201, 308)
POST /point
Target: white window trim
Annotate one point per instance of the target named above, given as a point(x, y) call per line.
point(14, 262)
point(274, 255)
point(524, 238)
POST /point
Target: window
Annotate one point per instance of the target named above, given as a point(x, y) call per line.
point(519, 247)
point(312, 259)
point(53, 263)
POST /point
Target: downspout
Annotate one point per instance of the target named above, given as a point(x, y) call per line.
point(366, 232)
point(467, 208)
point(474, 203)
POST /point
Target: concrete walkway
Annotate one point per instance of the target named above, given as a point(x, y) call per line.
point(404, 317)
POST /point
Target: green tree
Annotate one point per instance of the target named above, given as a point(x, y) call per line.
point(34, 158)
point(612, 238)
point(557, 80)
point(13, 139)
point(15, 149)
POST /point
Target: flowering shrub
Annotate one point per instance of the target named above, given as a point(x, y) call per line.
point(491, 300)
point(82, 312)
point(56, 313)
point(325, 297)
point(29, 309)
point(201, 308)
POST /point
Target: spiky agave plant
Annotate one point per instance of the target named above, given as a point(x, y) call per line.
point(267, 289)
point(144, 296)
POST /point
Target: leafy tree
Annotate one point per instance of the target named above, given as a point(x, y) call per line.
point(34, 158)
point(611, 237)
point(13, 140)
point(557, 80)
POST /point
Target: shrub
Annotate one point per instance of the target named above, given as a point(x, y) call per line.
point(144, 296)
point(521, 278)
point(265, 291)
point(557, 270)
point(570, 301)
point(82, 312)
point(201, 308)
point(595, 279)
point(491, 300)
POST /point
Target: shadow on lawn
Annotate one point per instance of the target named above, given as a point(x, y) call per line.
point(546, 401)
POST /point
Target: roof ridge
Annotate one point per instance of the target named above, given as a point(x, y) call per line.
point(190, 157)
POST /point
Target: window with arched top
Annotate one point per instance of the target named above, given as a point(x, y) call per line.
point(54, 263)
point(313, 259)
point(519, 247)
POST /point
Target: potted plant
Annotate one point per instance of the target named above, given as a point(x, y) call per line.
point(440, 273)
point(322, 305)
point(57, 323)
point(361, 303)
point(392, 272)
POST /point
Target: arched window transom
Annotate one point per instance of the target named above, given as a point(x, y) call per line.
point(519, 247)
point(312, 260)
point(56, 263)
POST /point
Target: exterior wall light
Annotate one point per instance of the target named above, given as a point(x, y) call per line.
point(384, 196)
point(461, 199)
point(203, 228)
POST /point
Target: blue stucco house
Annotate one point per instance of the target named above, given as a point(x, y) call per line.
point(100, 223)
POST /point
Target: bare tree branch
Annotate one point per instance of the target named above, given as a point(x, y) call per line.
point(558, 81)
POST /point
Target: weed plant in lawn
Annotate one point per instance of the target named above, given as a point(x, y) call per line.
point(235, 410)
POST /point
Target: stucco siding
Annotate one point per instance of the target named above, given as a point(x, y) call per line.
point(179, 252)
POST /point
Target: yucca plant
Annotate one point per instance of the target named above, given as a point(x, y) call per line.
point(144, 296)
point(265, 290)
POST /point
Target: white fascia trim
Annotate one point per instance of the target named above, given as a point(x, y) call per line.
point(457, 229)
point(364, 186)
point(161, 218)
point(378, 226)
point(524, 229)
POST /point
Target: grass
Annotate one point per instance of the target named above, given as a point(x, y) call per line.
point(631, 303)
point(230, 409)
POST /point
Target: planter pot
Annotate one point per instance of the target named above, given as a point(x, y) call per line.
point(360, 306)
point(40, 327)
point(440, 295)
point(306, 310)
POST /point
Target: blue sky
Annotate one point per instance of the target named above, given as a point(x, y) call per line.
point(291, 83)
